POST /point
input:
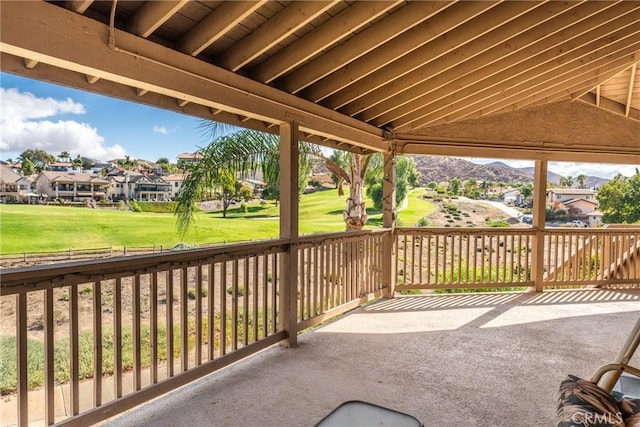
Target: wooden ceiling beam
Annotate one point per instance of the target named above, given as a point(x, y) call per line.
point(417, 68)
point(632, 79)
point(30, 63)
point(609, 105)
point(424, 33)
point(79, 44)
point(548, 86)
point(343, 24)
point(365, 41)
point(216, 24)
point(275, 29)
point(78, 6)
point(151, 15)
point(502, 75)
point(576, 88)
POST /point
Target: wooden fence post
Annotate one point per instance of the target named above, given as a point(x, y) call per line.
point(288, 314)
point(388, 220)
point(539, 212)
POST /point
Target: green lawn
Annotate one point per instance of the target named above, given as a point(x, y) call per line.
point(416, 208)
point(35, 228)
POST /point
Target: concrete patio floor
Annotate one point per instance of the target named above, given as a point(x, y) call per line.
point(449, 360)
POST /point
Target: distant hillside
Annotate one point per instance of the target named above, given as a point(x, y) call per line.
point(552, 177)
point(435, 168)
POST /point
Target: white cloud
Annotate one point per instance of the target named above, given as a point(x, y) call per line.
point(161, 129)
point(22, 117)
point(601, 170)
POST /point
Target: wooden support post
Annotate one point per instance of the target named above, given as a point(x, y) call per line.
point(539, 206)
point(388, 221)
point(289, 230)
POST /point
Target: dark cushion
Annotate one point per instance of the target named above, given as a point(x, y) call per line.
point(630, 409)
point(581, 403)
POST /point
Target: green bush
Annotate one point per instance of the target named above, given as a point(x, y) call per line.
point(423, 222)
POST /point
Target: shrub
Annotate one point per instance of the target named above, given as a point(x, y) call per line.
point(423, 222)
point(240, 291)
point(184, 246)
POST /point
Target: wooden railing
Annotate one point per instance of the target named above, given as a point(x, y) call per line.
point(443, 258)
point(338, 272)
point(489, 258)
point(113, 333)
point(605, 257)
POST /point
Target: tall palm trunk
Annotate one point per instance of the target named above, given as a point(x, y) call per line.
point(355, 214)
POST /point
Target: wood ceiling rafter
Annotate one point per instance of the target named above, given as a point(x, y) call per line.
point(502, 75)
point(216, 25)
point(350, 19)
point(347, 72)
point(400, 80)
point(560, 87)
point(365, 41)
point(152, 14)
point(404, 44)
point(274, 30)
point(79, 6)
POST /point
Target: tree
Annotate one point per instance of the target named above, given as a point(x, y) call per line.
point(619, 200)
point(163, 161)
point(39, 158)
point(245, 193)
point(526, 190)
point(27, 167)
point(223, 160)
point(582, 180)
point(341, 158)
point(77, 162)
point(64, 156)
point(566, 181)
point(455, 185)
point(471, 188)
point(405, 169)
point(432, 185)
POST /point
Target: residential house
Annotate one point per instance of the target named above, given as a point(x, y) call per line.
point(512, 195)
point(565, 194)
point(71, 186)
point(60, 167)
point(594, 218)
point(138, 186)
point(185, 159)
point(8, 184)
point(175, 181)
point(580, 207)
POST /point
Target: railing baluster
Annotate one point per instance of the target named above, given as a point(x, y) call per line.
point(275, 262)
point(198, 293)
point(48, 358)
point(265, 294)
point(137, 363)
point(211, 311)
point(316, 288)
point(117, 336)
point(234, 305)
point(245, 303)
point(256, 290)
point(301, 282)
point(184, 319)
point(74, 350)
point(169, 314)
point(153, 328)
point(223, 308)
point(97, 344)
point(21, 357)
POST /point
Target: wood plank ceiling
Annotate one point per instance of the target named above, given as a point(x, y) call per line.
point(404, 67)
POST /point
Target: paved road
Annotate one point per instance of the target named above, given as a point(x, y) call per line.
point(512, 212)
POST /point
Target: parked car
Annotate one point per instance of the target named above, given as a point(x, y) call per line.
point(578, 223)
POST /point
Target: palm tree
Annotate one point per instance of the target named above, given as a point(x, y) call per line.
point(582, 180)
point(64, 156)
point(566, 181)
point(246, 150)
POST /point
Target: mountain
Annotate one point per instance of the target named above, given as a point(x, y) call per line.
point(552, 177)
point(435, 168)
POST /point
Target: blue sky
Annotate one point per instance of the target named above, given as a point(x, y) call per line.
point(35, 114)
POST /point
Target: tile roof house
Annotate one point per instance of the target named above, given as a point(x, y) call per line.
point(71, 186)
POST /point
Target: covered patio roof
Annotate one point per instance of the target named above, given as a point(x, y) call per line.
point(540, 80)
